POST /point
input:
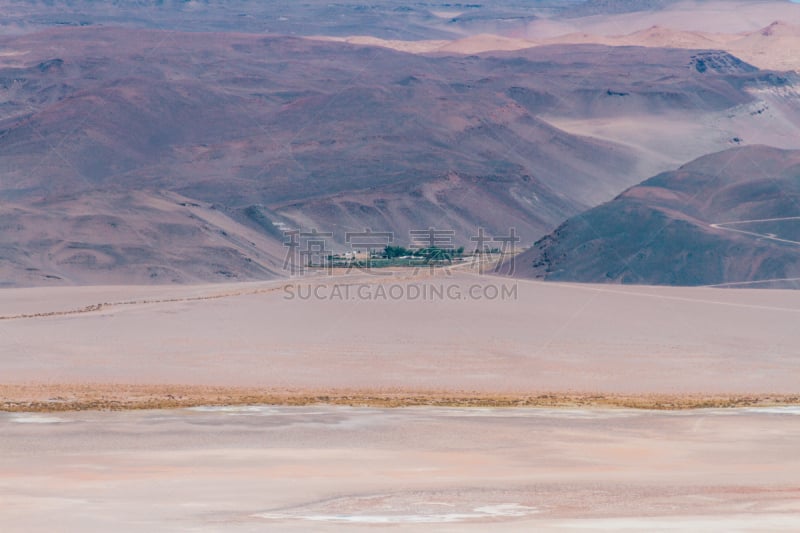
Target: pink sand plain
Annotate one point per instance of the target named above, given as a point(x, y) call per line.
point(552, 337)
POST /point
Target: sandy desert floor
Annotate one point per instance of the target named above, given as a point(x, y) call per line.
point(344, 450)
point(366, 334)
point(320, 468)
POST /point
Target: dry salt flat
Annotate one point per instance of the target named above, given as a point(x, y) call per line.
point(321, 468)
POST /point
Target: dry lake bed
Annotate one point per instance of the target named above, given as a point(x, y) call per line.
point(320, 468)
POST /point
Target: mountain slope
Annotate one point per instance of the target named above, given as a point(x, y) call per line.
point(730, 217)
point(312, 134)
point(130, 238)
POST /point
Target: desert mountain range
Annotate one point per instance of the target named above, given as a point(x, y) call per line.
point(775, 46)
point(136, 147)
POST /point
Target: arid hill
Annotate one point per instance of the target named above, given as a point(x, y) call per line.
point(727, 218)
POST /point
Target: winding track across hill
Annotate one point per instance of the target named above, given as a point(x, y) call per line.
point(769, 236)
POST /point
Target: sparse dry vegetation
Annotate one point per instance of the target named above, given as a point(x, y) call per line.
point(52, 398)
